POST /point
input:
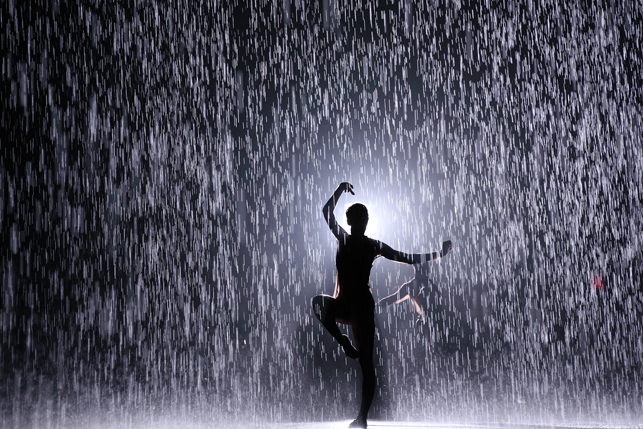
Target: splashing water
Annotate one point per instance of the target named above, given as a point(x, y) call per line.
point(162, 177)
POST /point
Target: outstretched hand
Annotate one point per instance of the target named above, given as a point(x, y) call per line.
point(346, 187)
point(446, 246)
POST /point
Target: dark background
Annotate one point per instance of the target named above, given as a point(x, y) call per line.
point(163, 169)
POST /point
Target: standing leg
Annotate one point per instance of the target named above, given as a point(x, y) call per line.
point(364, 333)
point(329, 312)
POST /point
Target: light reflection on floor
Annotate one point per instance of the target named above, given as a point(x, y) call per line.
point(186, 423)
point(425, 425)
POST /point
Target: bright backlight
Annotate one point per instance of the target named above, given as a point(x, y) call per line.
point(372, 229)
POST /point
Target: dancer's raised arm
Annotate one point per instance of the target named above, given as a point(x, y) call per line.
point(329, 208)
point(412, 258)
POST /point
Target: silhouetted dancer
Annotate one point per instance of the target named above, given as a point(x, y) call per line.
point(352, 303)
point(424, 296)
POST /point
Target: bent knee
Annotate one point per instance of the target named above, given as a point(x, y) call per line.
point(317, 300)
point(318, 305)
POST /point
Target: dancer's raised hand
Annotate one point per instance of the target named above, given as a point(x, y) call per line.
point(346, 187)
point(446, 246)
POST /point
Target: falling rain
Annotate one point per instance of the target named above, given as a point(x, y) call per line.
point(163, 169)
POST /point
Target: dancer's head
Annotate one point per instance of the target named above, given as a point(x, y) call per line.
point(357, 218)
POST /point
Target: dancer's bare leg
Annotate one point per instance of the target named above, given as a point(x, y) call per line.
point(329, 312)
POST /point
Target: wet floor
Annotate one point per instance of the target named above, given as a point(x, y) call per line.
point(429, 425)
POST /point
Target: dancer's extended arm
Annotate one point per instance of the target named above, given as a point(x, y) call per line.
point(402, 294)
point(329, 208)
point(413, 258)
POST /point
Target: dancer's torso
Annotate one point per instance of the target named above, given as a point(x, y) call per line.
point(426, 298)
point(355, 256)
